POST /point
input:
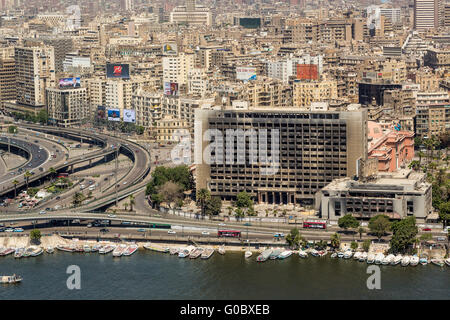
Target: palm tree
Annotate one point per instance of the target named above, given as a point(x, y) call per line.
point(335, 240)
point(125, 205)
point(132, 202)
point(52, 172)
point(15, 183)
point(27, 176)
point(203, 195)
point(361, 230)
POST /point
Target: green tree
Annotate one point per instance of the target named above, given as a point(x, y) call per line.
point(156, 199)
point(42, 117)
point(35, 235)
point(379, 225)
point(321, 245)
point(335, 240)
point(125, 205)
point(78, 198)
point(213, 206)
point(203, 196)
point(15, 183)
point(444, 212)
point(403, 234)
point(366, 245)
point(425, 237)
point(239, 213)
point(52, 172)
point(348, 222)
point(170, 192)
point(361, 230)
point(27, 176)
point(12, 129)
point(132, 201)
point(244, 201)
point(139, 130)
point(293, 238)
point(354, 245)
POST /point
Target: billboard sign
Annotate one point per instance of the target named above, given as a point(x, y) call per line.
point(113, 114)
point(170, 49)
point(171, 88)
point(246, 73)
point(118, 70)
point(66, 83)
point(307, 72)
point(101, 112)
point(129, 115)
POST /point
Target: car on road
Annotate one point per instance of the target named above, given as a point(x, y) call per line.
point(18, 230)
point(247, 224)
point(278, 235)
point(89, 225)
point(125, 182)
point(57, 207)
point(441, 239)
point(222, 224)
point(104, 230)
point(141, 230)
point(42, 212)
point(12, 173)
point(111, 216)
point(171, 232)
point(205, 233)
point(58, 197)
point(65, 162)
point(9, 230)
point(426, 229)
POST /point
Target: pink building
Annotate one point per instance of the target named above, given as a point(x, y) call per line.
point(393, 149)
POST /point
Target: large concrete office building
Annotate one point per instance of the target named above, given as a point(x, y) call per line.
point(428, 14)
point(67, 107)
point(35, 71)
point(313, 149)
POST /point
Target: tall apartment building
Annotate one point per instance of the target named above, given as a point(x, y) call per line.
point(278, 156)
point(119, 92)
point(67, 107)
point(176, 68)
point(428, 14)
point(432, 113)
point(191, 14)
point(447, 14)
point(148, 106)
point(7, 75)
point(306, 92)
point(266, 93)
point(35, 71)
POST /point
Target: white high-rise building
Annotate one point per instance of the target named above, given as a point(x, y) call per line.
point(176, 68)
point(191, 13)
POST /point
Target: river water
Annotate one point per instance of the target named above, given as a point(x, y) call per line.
point(152, 275)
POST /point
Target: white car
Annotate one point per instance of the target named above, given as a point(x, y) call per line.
point(89, 225)
point(42, 212)
point(171, 232)
point(205, 233)
point(111, 216)
point(222, 224)
point(9, 230)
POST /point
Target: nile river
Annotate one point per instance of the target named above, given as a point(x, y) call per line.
point(151, 275)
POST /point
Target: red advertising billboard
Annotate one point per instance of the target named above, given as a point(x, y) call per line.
point(307, 72)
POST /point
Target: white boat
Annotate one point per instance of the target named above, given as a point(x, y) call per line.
point(19, 253)
point(196, 253)
point(184, 253)
point(340, 254)
point(370, 258)
point(106, 249)
point(174, 251)
point(363, 257)
point(348, 254)
point(157, 248)
point(405, 261)
point(264, 255)
point(87, 248)
point(65, 248)
point(447, 262)
point(10, 279)
point(285, 254)
point(414, 261)
point(275, 253)
point(302, 254)
point(314, 252)
point(7, 251)
point(96, 247)
point(388, 259)
point(49, 250)
point(207, 253)
point(438, 262)
point(248, 254)
point(322, 253)
point(334, 255)
point(129, 250)
point(119, 250)
point(34, 251)
point(221, 250)
point(397, 259)
point(357, 255)
point(379, 258)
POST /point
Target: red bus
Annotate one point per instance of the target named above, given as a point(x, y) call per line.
point(229, 233)
point(63, 175)
point(314, 224)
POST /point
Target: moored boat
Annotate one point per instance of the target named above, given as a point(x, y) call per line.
point(65, 248)
point(414, 261)
point(423, 261)
point(36, 251)
point(10, 279)
point(119, 250)
point(322, 253)
point(302, 254)
point(174, 251)
point(19, 253)
point(348, 254)
point(370, 258)
point(405, 261)
point(357, 255)
point(87, 248)
point(388, 259)
point(314, 252)
point(397, 259)
point(447, 262)
point(129, 250)
point(221, 250)
point(184, 253)
point(334, 255)
point(196, 253)
point(7, 251)
point(285, 254)
point(438, 262)
point(275, 253)
point(379, 258)
point(248, 254)
point(264, 255)
point(106, 249)
point(207, 253)
point(49, 250)
point(363, 257)
point(340, 254)
point(96, 247)
point(157, 248)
